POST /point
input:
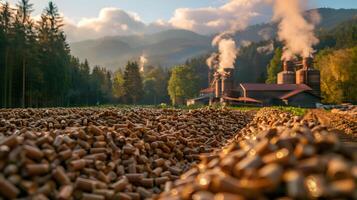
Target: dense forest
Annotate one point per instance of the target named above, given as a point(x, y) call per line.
point(38, 70)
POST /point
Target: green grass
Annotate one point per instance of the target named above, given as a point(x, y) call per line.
point(293, 110)
point(245, 108)
point(159, 106)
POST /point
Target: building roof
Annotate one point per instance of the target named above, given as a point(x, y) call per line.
point(199, 98)
point(243, 99)
point(273, 87)
point(296, 92)
point(208, 90)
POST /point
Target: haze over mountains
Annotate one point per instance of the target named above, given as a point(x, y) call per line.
point(172, 47)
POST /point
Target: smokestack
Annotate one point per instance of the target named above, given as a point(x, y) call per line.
point(309, 76)
point(218, 86)
point(224, 79)
point(308, 63)
point(288, 66)
point(287, 76)
point(227, 81)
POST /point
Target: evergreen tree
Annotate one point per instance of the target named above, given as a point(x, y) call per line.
point(156, 81)
point(5, 28)
point(133, 86)
point(150, 91)
point(55, 55)
point(36, 68)
point(85, 82)
point(274, 67)
point(25, 40)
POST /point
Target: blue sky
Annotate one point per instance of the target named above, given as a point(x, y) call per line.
point(151, 10)
point(89, 19)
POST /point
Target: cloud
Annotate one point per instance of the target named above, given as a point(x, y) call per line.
point(111, 22)
point(234, 15)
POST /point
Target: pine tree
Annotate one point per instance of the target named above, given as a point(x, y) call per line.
point(155, 85)
point(55, 55)
point(25, 33)
point(133, 86)
point(274, 66)
point(5, 26)
point(36, 68)
point(85, 76)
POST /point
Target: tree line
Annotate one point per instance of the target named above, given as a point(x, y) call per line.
point(38, 70)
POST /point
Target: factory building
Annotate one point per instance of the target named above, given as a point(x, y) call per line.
point(297, 85)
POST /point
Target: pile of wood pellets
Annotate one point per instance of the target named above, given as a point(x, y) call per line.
point(98, 154)
point(277, 156)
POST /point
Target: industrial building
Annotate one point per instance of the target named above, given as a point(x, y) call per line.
point(297, 85)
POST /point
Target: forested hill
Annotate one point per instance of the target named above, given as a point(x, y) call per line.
point(172, 47)
point(336, 58)
point(164, 48)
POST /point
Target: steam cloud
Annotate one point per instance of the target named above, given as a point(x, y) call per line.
point(294, 30)
point(142, 61)
point(242, 11)
point(213, 61)
point(227, 52)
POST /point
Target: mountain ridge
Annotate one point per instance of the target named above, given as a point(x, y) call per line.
point(170, 47)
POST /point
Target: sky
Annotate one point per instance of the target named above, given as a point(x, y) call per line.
point(97, 18)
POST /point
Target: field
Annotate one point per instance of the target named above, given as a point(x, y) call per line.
point(169, 153)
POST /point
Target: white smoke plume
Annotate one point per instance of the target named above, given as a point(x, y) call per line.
point(244, 11)
point(142, 61)
point(296, 33)
point(227, 51)
point(213, 61)
point(228, 54)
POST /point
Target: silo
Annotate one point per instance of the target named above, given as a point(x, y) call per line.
point(287, 76)
point(309, 76)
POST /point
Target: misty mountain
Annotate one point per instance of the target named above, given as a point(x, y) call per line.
point(164, 48)
point(172, 47)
